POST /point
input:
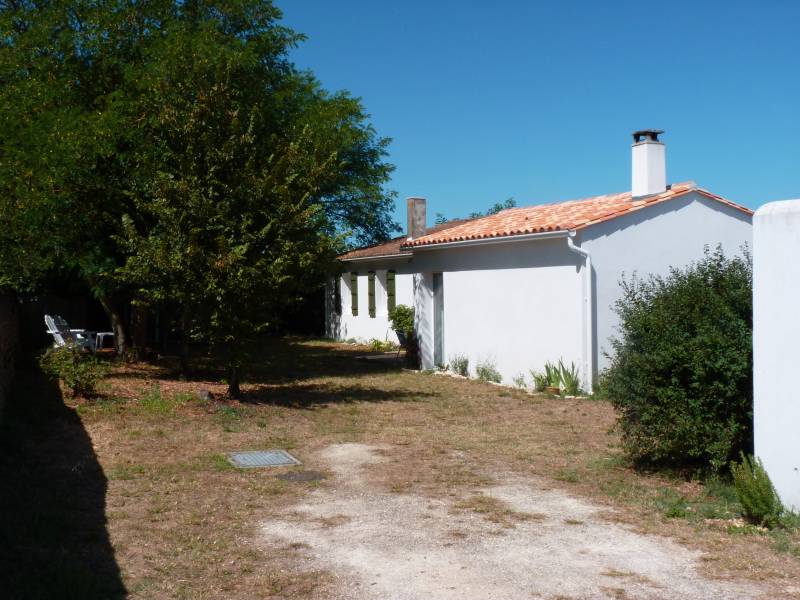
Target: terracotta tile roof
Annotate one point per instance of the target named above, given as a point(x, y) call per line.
point(390, 248)
point(394, 246)
point(563, 216)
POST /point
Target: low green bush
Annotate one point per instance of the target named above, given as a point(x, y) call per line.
point(486, 371)
point(80, 372)
point(402, 318)
point(569, 379)
point(760, 502)
point(566, 379)
point(460, 364)
point(681, 367)
point(377, 345)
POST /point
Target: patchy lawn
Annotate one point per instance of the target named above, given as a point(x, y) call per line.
point(132, 492)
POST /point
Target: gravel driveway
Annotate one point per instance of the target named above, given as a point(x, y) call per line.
point(400, 546)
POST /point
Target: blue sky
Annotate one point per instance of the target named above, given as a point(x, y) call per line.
point(536, 100)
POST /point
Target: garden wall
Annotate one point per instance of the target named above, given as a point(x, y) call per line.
point(9, 338)
point(776, 346)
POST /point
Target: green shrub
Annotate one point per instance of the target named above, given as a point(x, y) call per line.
point(681, 367)
point(80, 372)
point(460, 364)
point(540, 380)
point(377, 345)
point(486, 371)
point(569, 379)
point(402, 318)
point(756, 494)
point(566, 379)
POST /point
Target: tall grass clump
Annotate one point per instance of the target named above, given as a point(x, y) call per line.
point(486, 371)
point(460, 364)
point(681, 374)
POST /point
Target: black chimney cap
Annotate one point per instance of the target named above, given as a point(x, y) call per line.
point(650, 134)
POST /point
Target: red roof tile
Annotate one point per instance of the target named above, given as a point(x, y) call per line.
point(394, 246)
point(563, 216)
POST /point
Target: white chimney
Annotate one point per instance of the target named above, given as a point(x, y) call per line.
point(649, 167)
point(417, 221)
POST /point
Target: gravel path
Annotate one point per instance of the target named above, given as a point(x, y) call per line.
point(394, 546)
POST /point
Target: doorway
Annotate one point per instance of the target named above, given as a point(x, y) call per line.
point(438, 320)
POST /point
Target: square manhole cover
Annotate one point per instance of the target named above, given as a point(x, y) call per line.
point(262, 458)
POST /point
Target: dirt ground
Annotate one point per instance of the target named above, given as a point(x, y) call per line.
point(391, 546)
point(412, 486)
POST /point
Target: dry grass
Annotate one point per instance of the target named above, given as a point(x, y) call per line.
point(182, 523)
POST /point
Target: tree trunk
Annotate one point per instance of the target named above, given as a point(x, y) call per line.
point(184, 354)
point(117, 324)
point(139, 330)
point(233, 382)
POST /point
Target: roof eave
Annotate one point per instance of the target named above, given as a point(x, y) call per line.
point(501, 239)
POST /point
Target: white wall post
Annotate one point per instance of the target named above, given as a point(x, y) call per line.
point(776, 345)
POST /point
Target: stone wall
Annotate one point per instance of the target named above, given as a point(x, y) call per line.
point(9, 338)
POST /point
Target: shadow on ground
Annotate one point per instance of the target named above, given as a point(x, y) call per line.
point(305, 395)
point(278, 360)
point(53, 537)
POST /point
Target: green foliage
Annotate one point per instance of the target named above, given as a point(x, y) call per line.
point(681, 370)
point(540, 380)
point(566, 379)
point(377, 345)
point(569, 379)
point(224, 180)
point(759, 500)
point(459, 363)
point(486, 371)
point(80, 372)
point(441, 218)
point(402, 318)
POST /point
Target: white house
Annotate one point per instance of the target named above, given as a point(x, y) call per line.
point(533, 284)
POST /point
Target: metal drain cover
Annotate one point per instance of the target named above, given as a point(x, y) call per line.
point(262, 458)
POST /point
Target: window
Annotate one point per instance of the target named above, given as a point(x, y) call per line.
point(337, 295)
point(371, 293)
point(390, 295)
point(354, 293)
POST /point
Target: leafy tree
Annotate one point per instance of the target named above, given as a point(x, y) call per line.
point(169, 153)
point(495, 208)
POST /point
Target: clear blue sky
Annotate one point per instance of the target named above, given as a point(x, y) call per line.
point(536, 100)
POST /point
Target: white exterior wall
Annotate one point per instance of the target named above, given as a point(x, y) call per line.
point(516, 304)
point(650, 241)
point(363, 327)
point(776, 354)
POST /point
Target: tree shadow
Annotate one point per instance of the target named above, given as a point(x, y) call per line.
point(53, 537)
point(276, 360)
point(309, 395)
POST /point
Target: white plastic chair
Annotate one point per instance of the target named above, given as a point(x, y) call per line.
point(82, 338)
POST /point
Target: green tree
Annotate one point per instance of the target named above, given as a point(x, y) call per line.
point(172, 155)
point(495, 208)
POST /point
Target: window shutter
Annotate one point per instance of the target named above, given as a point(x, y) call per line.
point(371, 293)
point(337, 294)
point(354, 293)
point(390, 296)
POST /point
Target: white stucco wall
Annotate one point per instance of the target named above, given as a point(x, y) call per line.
point(363, 327)
point(516, 304)
point(776, 353)
point(650, 241)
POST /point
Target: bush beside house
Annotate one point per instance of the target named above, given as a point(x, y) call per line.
point(681, 370)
